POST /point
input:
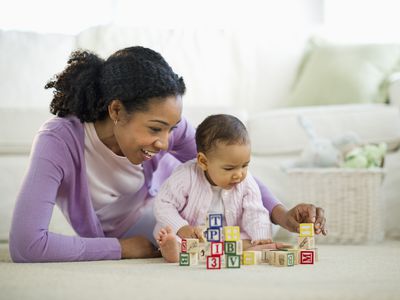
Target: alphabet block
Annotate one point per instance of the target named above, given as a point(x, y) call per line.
point(204, 251)
point(192, 245)
point(184, 246)
point(213, 234)
point(267, 256)
point(251, 257)
point(194, 259)
point(217, 248)
point(306, 229)
point(232, 261)
point(284, 259)
point(231, 233)
point(306, 257)
point(306, 242)
point(296, 253)
point(213, 262)
point(215, 220)
point(184, 259)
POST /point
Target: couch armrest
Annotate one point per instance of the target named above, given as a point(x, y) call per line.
point(394, 89)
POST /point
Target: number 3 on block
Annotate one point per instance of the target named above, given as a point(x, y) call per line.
point(213, 262)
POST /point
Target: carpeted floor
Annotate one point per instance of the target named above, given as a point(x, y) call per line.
point(343, 272)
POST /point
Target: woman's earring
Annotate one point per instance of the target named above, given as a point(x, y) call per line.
point(115, 122)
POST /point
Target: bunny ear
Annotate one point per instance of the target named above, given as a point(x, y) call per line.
point(306, 124)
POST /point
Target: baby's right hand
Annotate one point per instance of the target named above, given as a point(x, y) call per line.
point(190, 232)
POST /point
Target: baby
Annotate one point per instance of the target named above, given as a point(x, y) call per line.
point(217, 181)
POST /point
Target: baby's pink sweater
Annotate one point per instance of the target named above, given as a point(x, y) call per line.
point(185, 198)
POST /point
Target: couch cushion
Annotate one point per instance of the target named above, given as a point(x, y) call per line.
point(28, 60)
point(279, 132)
point(340, 74)
point(223, 67)
point(18, 128)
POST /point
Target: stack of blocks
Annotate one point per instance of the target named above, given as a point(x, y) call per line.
point(223, 247)
point(306, 244)
point(305, 253)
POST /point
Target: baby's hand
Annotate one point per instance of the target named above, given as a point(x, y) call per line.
point(190, 232)
point(261, 242)
point(258, 245)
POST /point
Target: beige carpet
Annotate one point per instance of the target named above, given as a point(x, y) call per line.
point(343, 272)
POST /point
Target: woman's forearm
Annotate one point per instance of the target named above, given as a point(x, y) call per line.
point(279, 216)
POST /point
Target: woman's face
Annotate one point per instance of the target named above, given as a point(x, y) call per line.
point(227, 164)
point(143, 134)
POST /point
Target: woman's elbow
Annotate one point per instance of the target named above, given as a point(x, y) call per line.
point(22, 250)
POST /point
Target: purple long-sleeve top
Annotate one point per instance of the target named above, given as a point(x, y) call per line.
point(57, 175)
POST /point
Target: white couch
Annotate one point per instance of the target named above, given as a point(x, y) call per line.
point(234, 72)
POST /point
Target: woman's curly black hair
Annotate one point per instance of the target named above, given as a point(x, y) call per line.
point(132, 75)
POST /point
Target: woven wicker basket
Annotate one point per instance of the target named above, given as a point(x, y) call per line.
point(351, 199)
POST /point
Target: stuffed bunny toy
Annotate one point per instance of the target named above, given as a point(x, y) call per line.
point(322, 152)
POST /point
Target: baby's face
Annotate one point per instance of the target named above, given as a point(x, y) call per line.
point(227, 164)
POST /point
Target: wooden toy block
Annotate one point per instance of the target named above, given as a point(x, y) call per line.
point(315, 253)
point(306, 229)
point(217, 248)
point(192, 245)
point(231, 233)
point(267, 256)
point(215, 220)
point(223, 260)
point(234, 247)
point(184, 246)
point(213, 262)
point(213, 234)
point(239, 247)
point(204, 251)
point(296, 253)
point(230, 248)
point(307, 257)
point(284, 259)
point(251, 257)
point(232, 261)
point(194, 259)
point(184, 259)
point(306, 242)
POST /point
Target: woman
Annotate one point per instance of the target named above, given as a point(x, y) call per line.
point(117, 136)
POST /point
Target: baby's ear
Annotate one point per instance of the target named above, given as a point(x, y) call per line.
point(202, 161)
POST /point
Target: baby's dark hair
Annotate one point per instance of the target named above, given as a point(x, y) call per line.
point(132, 75)
point(220, 128)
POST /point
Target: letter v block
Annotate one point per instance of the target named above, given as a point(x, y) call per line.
point(233, 261)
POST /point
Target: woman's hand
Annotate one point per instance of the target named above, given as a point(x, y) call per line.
point(138, 247)
point(301, 213)
point(307, 213)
